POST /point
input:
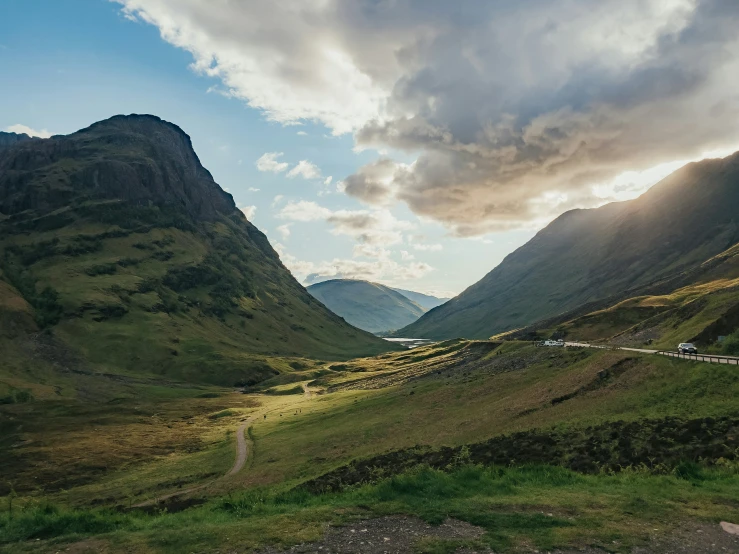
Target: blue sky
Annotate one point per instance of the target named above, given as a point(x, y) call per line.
point(74, 63)
point(450, 131)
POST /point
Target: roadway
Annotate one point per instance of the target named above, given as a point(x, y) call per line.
point(710, 358)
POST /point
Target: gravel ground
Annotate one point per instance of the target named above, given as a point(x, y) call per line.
point(400, 534)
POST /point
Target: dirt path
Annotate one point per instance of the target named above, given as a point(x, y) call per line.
point(241, 455)
point(241, 447)
point(306, 390)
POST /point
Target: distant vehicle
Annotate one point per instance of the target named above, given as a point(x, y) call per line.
point(551, 343)
point(687, 348)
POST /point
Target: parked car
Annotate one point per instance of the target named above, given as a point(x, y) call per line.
point(687, 348)
point(551, 343)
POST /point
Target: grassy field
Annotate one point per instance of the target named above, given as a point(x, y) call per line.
point(79, 467)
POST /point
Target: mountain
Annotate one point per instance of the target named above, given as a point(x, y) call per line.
point(426, 301)
point(698, 305)
point(134, 261)
point(369, 306)
point(587, 255)
point(10, 139)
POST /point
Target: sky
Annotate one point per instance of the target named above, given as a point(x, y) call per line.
point(414, 143)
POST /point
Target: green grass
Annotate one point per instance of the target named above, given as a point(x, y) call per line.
point(546, 507)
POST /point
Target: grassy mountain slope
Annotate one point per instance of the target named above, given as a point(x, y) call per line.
point(426, 301)
point(587, 255)
point(369, 306)
point(447, 405)
point(697, 306)
point(136, 262)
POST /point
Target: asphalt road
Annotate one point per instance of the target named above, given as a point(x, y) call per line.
point(711, 358)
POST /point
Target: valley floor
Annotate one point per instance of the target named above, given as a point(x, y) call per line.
point(497, 447)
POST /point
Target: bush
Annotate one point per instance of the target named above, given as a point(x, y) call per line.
point(17, 397)
point(730, 346)
point(101, 269)
point(48, 310)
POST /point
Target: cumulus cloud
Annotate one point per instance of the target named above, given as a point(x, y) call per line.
point(428, 247)
point(374, 228)
point(25, 129)
point(304, 169)
point(384, 270)
point(500, 103)
point(284, 231)
point(268, 162)
point(249, 211)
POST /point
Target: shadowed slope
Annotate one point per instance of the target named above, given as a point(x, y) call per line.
point(586, 255)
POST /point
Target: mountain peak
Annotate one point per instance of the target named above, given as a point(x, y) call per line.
point(135, 158)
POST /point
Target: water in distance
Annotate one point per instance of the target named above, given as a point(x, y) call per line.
point(412, 343)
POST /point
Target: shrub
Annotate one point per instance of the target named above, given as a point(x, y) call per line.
point(730, 346)
point(101, 269)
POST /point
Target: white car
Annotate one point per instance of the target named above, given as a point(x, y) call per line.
point(687, 348)
point(551, 343)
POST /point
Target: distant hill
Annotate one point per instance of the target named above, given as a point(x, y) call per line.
point(119, 243)
point(426, 301)
point(369, 306)
point(587, 255)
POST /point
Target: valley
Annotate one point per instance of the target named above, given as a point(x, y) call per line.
point(453, 396)
point(167, 385)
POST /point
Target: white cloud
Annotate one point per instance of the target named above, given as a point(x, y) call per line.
point(284, 230)
point(377, 227)
point(24, 129)
point(501, 102)
point(302, 133)
point(252, 189)
point(304, 169)
point(327, 180)
point(268, 162)
point(249, 211)
point(405, 255)
point(277, 199)
point(378, 270)
point(427, 247)
point(304, 210)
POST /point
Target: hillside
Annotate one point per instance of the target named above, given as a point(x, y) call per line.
point(134, 261)
point(369, 306)
point(699, 305)
point(515, 440)
point(587, 255)
point(426, 301)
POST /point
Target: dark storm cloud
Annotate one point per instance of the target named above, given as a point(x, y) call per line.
point(513, 109)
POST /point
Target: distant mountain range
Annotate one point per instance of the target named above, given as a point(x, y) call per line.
point(119, 243)
point(371, 306)
point(585, 256)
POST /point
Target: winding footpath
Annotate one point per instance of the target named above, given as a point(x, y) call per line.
point(241, 456)
point(241, 447)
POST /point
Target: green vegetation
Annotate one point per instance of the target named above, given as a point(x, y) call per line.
point(157, 438)
point(545, 507)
